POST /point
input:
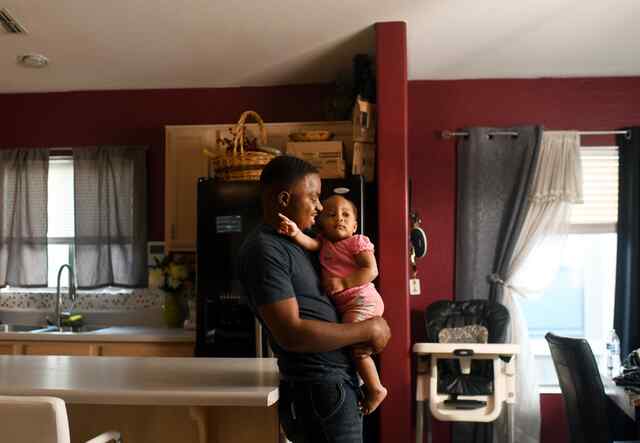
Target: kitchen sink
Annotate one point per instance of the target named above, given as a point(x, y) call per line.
point(18, 328)
point(49, 329)
point(78, 329)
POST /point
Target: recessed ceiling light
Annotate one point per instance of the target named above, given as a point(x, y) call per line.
point(33, 60)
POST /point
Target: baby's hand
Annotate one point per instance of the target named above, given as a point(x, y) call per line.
point(287, 227)
point(333, 285)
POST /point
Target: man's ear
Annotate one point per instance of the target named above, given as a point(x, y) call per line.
point(284, 197)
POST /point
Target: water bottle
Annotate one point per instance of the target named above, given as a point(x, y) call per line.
point(613, 354)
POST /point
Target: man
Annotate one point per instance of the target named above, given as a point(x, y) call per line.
point(319, 388)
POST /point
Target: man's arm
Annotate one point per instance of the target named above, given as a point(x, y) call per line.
point(301, 335)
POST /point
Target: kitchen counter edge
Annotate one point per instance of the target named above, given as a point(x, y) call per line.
point(109, 334)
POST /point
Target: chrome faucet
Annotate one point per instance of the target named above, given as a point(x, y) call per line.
point(72, 294)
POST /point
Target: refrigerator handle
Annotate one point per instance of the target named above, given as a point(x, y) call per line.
point(258, 330)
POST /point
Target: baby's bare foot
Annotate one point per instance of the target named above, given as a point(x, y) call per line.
point(373, 398)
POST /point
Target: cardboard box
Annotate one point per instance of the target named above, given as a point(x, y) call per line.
point(364, 161)
point(310, 151)
point(332, 168)
point(326, 156)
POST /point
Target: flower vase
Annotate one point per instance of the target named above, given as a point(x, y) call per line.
point(172, 310)
point(190, 321)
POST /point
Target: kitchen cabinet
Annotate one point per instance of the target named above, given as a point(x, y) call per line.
point(106, 349)
point(145, 349)
point(10, 349)
point(185, 162)
point(55, 348)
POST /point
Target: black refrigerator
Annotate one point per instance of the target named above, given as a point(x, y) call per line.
point(227, 213)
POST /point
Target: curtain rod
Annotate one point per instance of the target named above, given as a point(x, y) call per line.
point(450, 134)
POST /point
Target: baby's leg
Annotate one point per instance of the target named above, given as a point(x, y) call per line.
point(375, 392)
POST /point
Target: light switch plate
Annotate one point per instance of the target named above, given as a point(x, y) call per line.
point(414, 286)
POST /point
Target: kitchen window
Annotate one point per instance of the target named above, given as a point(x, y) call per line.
point(60, 218)
point(580, 300)
point(89, 211)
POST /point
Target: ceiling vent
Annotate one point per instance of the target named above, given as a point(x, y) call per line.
point(11, 24)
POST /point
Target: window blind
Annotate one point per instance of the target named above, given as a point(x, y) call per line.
point(61, 203)
point(599, 212)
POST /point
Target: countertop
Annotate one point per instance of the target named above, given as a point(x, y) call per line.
point(625, 400)
point(109, 334)
point(144, 380)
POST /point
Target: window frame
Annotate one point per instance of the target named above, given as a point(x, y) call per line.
point(538, 345)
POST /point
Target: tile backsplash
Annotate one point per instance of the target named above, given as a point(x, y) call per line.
point(111, 307)
point(87, 301)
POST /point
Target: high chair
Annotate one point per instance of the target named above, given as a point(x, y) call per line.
point(464, 370)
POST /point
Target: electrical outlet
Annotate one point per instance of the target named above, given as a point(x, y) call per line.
point(414, 286)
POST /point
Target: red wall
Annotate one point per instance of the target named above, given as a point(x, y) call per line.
point(395, 361)
point(138, 117)
point(584, 104)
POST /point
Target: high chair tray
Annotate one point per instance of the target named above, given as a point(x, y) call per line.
point(477, 348)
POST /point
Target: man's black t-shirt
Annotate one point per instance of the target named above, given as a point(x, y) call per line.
point(271, 268)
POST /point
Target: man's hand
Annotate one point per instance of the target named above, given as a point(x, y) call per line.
point(287, 226)
point(379, 337)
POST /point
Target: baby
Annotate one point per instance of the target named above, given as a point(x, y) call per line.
point(348, 268)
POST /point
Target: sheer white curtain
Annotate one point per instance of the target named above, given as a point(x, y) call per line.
point(557, 185)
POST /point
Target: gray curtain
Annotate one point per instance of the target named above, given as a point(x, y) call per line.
point(23, 217)
point(627, 304)
point(110, 186)
point(494, 176)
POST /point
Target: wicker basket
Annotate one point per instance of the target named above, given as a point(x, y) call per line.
point(237, 163)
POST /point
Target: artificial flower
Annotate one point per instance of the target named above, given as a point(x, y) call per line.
point(171, 275)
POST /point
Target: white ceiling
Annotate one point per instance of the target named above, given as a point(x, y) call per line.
point(138, 44)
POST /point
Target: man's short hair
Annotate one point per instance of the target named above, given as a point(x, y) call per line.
point(283, 171)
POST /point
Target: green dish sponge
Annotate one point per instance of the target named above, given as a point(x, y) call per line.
point(73, 320)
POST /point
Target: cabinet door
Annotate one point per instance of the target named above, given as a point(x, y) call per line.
point(184, 163)
point(146, 349)
point(58, 348)
point(10, 348)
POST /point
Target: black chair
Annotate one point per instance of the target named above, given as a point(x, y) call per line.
point(586, 403)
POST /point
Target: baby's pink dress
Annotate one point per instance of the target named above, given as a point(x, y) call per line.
point(338, 260)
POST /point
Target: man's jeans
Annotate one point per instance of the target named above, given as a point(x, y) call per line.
point(312, 412)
